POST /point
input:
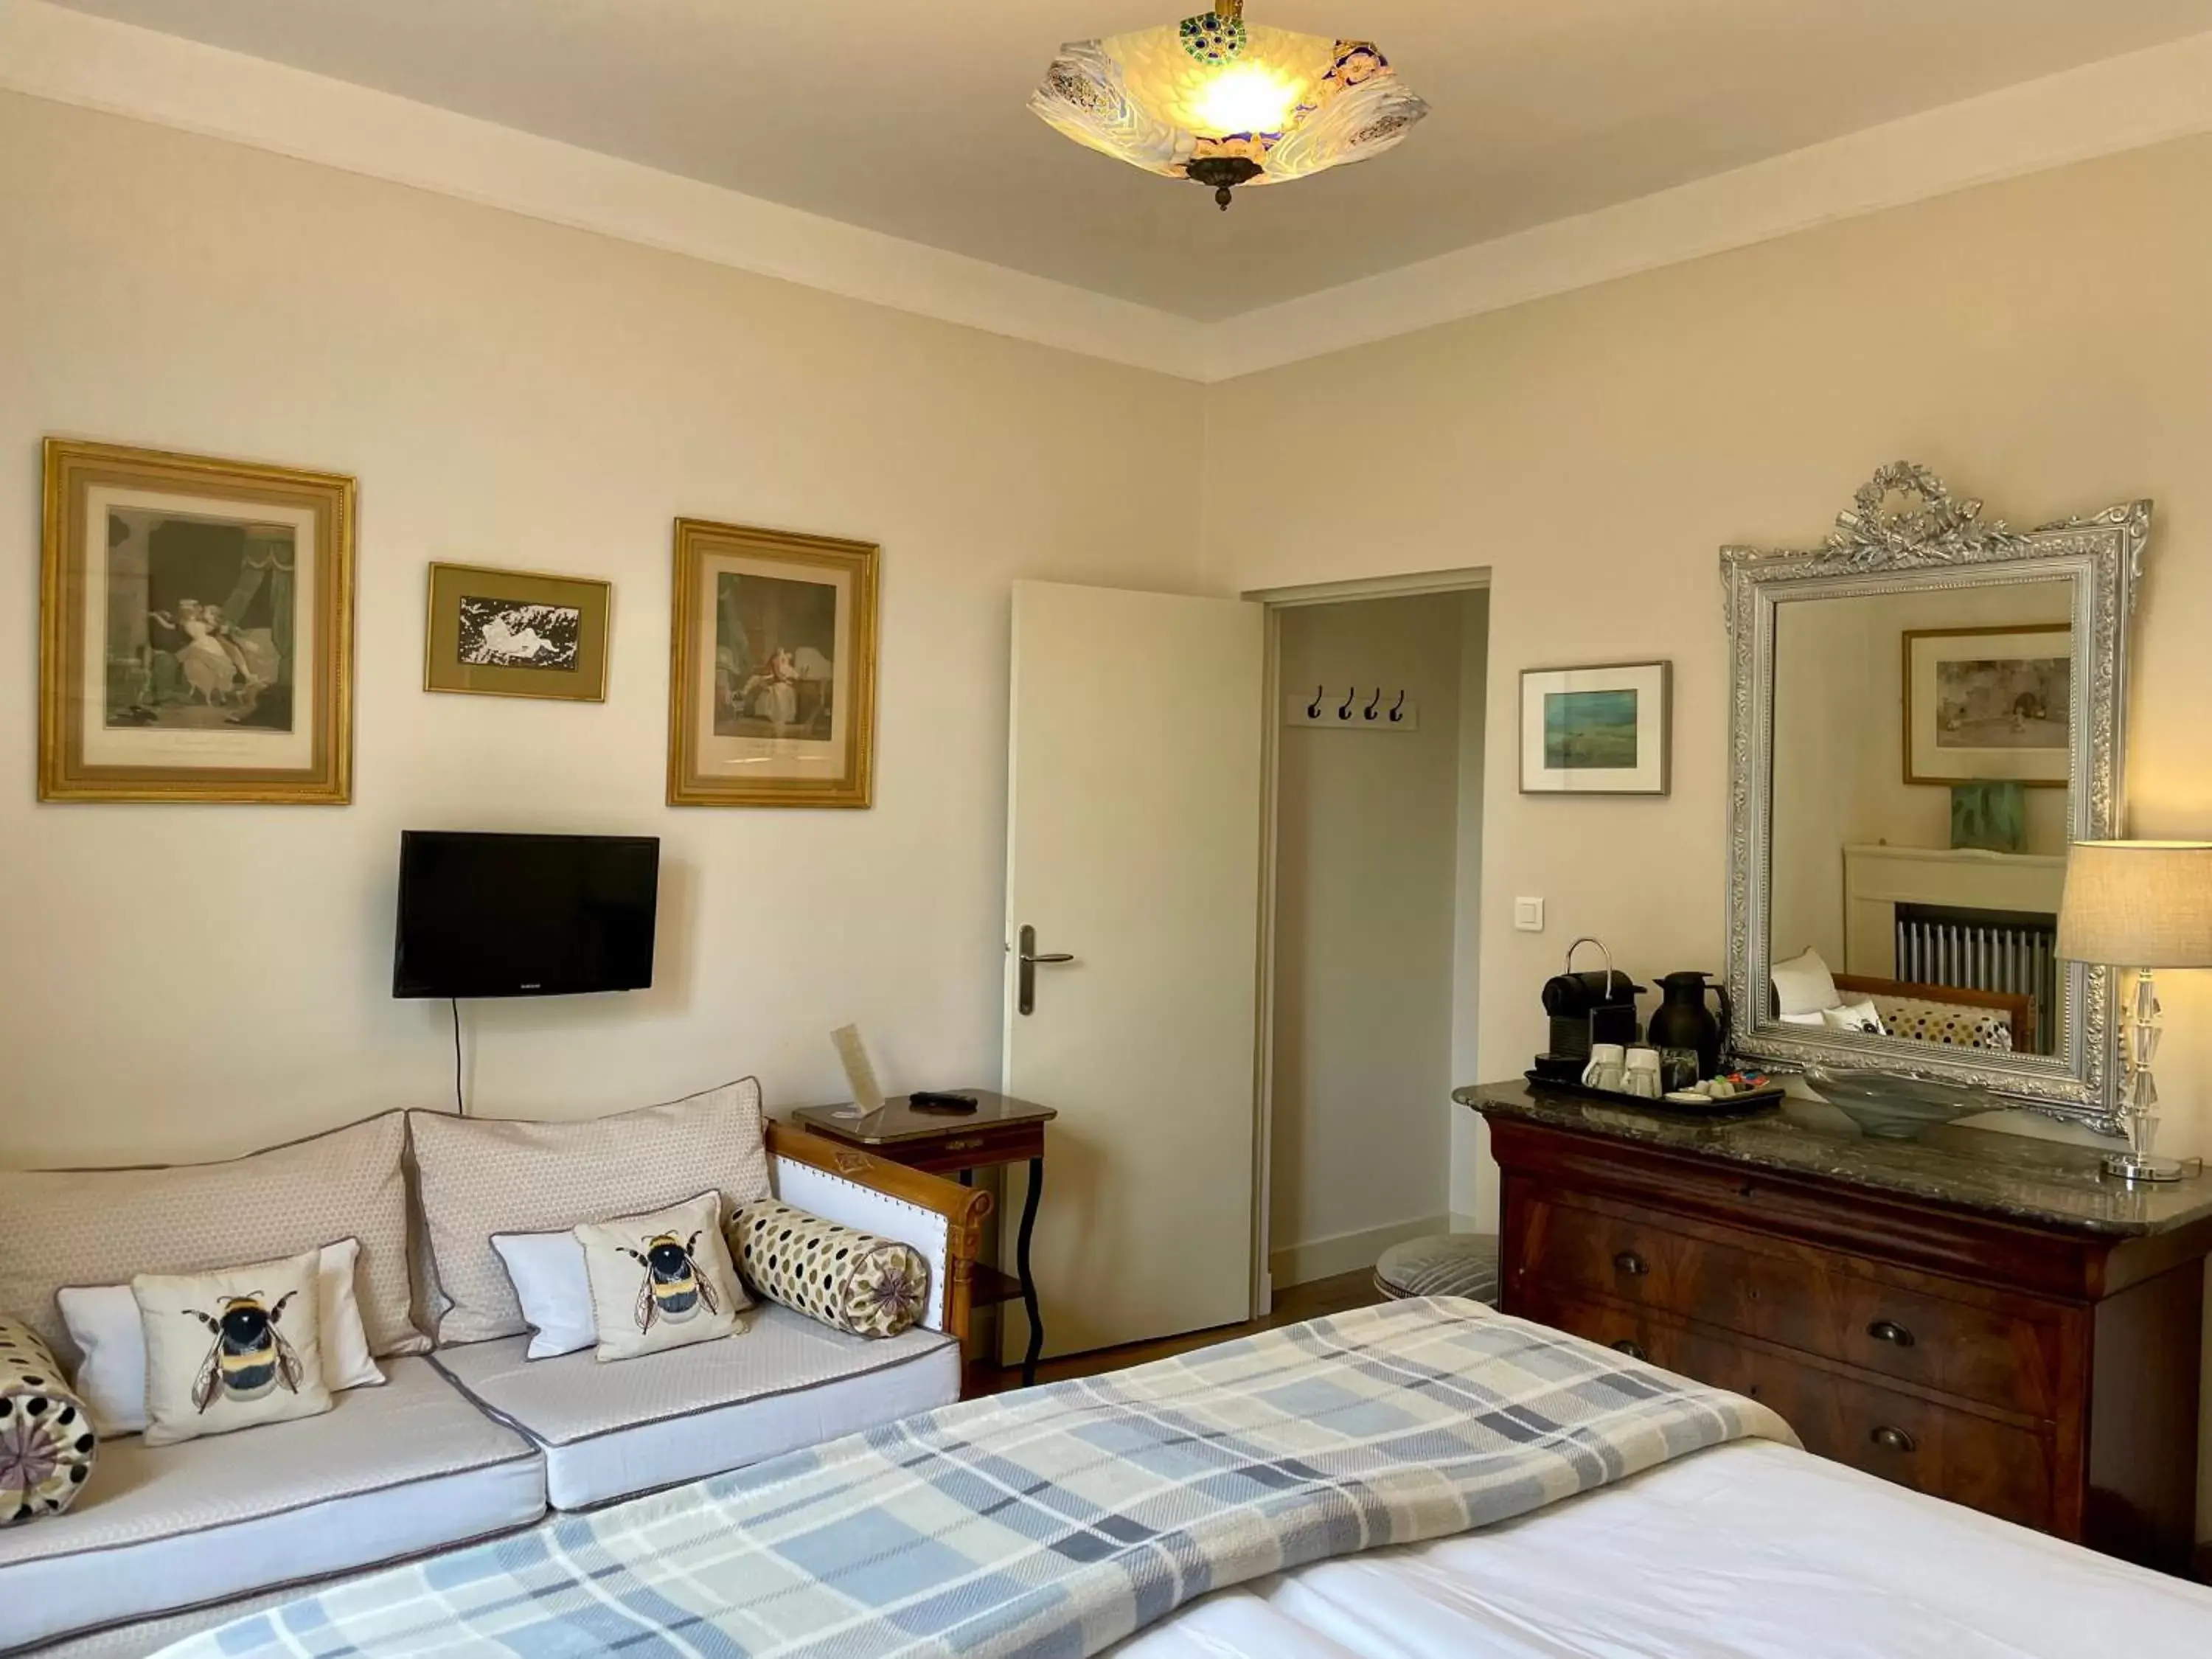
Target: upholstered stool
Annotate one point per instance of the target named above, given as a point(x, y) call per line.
point(1446, 1264)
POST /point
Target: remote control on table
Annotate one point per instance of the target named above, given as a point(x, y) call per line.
point(932, 1100)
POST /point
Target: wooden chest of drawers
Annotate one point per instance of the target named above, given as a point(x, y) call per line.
point(2043, 1372)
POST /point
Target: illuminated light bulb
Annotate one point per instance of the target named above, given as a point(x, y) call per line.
point(1246, 98)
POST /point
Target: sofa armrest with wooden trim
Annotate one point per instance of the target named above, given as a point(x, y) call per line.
point(1950, 1014)
point(941, 1218)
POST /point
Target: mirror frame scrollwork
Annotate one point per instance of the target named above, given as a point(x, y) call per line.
point(1906, 531)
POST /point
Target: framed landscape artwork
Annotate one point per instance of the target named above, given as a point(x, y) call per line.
point(516, 634)
point(772, 696)
point(1596, 731)
point(196, 625)
point(1988, 705)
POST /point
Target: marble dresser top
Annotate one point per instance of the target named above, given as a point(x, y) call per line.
point(1991, 1172)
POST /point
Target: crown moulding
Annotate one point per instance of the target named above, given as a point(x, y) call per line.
point(2129, 102)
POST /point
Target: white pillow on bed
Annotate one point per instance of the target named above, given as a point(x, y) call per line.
point(1804, 986)
point(554, 1288)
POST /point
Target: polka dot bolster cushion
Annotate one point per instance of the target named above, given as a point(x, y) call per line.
point(848, 1280)
point(46, 1440)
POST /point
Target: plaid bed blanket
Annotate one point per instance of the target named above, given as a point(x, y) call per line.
point(1054, 1522)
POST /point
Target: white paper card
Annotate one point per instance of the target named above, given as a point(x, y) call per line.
point(853, 1056)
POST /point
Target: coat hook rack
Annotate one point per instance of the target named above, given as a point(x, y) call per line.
point(1404, 714)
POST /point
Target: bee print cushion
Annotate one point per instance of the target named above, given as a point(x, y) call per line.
point(663, 1279)
point(231, 1349)
point(848, 1280)
point(46, 1442)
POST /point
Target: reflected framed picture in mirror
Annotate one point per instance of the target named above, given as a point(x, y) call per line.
point(1596, 731)
point(1988, 705)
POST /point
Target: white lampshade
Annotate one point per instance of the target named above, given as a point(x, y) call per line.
point(2138, 904)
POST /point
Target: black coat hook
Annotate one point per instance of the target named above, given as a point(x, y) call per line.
point(1397, 708)
point(1313, 708)
point(1369, 710)
point(1350, 696)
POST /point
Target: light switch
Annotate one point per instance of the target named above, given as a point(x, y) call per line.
point(1528, 915)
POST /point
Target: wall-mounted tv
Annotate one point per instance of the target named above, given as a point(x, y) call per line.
point(483, 915)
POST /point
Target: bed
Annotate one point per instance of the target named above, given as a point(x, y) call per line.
point(1749, 1551)
point(1423, 1479)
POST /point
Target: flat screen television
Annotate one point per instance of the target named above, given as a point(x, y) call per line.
point(486, 915)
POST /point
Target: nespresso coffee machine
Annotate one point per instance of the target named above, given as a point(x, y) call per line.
point(1590, 1007)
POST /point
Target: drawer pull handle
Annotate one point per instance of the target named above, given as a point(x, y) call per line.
point(1894, 1440)
point(1888, 1330)
point(1632, 1264)
point(1633, 1349)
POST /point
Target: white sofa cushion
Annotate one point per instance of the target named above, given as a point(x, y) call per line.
point(389, 1472)
point(610, 1431)
point(483, 1176)
point(102, 1226)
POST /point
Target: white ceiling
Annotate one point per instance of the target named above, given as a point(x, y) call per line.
point(909, 119)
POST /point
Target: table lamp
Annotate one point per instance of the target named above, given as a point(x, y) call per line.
point(2144, 905)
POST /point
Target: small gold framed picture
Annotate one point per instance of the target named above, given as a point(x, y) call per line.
point(772, 689)
point(516, 634)
point(196, 629)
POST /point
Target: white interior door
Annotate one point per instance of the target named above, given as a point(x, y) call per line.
point(1133, 847)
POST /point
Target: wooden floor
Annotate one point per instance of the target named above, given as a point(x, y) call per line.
point(1297, 1303)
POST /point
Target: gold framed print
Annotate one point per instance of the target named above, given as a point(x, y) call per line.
point(1985, 705)
point(516, 634)
point(196, 629)
point(772, 685)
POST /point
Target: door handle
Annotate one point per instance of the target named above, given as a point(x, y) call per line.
point(1889, 1330)
point(1026, 957)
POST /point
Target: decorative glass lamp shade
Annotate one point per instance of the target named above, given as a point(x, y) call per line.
point(1225, 103)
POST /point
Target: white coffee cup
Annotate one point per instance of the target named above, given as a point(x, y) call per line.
point(1641, 1082)
point(1642, 1060)
point(1605, 1066)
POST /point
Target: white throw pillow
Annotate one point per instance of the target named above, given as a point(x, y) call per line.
point(663, 1279)
point(104, 1321)
point(1860, 1016)
point(1804, 985)
point(232, 1349)
point(554, 1288)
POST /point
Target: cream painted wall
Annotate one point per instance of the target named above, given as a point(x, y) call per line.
point(192, 981)
point(1366, 867)
point(1839, 745)
point(2043, 342)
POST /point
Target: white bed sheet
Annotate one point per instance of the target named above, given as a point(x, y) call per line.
point(1749, 1551)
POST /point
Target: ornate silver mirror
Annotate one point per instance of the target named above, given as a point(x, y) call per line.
point(1926, 710)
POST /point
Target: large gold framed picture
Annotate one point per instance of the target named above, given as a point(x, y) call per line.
point(516, 634)
point(772, 689)
point(196, 629)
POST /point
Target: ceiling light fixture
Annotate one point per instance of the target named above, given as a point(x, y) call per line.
point(1224, 103)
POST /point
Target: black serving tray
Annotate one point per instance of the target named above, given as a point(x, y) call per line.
point(1735, 1107)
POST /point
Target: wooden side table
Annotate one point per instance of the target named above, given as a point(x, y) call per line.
point(1001, 1130)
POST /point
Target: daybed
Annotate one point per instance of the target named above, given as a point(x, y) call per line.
point(464, 1441)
